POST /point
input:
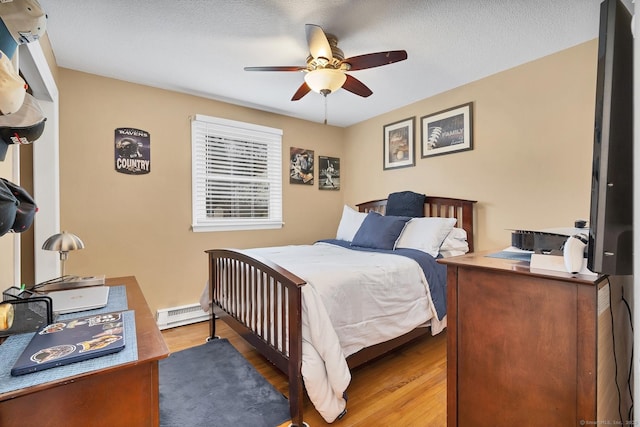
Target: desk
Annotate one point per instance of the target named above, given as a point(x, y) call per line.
point(124, 395)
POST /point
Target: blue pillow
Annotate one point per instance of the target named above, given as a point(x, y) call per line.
point(405, 203)
point(379, 232)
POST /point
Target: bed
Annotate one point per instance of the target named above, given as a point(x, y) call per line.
point(260, 293)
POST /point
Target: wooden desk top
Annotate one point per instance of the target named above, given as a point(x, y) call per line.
point(481, 260)
point(151, 345)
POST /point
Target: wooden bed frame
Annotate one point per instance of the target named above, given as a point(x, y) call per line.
point(249, 284)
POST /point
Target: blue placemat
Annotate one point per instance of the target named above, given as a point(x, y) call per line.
point(11, 349)
point(517, 256)
point(117, 302)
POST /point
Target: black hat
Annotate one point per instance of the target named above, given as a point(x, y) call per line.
point(25, 208)
point(8, 208)
point(22, 127)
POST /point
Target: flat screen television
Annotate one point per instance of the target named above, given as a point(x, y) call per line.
point(610, 247)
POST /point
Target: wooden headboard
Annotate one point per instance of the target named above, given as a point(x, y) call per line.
point(443, 207)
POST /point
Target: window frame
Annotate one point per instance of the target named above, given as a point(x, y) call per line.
point(253, 134)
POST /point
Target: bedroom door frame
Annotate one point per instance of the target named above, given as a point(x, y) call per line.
point(46, 164)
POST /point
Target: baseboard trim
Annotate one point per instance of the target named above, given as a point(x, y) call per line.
point(179, 316)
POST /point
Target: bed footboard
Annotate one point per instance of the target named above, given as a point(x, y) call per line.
point(263, 303)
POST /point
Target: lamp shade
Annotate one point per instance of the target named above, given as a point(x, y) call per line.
point(63, 242)
point(325, 79)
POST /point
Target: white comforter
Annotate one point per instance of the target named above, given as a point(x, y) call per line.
point(364, 298)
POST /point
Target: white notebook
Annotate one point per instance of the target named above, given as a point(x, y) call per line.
point(81, 299)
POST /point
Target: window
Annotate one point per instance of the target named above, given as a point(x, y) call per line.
point(236, 175)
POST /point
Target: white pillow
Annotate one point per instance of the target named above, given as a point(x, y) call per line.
point(426, 234)
point(449, 254)
point(350, 223)
point(456, 238)
point(455, 243)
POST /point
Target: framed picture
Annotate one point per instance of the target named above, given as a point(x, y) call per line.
point(329, 173)
point(301, 166)
point(447, 131)
point(398, 149)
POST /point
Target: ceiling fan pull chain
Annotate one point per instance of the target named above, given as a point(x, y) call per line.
point(325, 109)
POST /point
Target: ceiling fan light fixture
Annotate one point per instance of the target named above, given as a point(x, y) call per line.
point(325, 79)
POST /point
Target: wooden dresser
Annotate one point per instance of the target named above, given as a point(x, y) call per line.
point(124, 395)
point(522, 347)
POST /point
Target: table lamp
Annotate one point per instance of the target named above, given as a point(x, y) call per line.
point(63, 243)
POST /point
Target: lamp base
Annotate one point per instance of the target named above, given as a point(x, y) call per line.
point(72, 282)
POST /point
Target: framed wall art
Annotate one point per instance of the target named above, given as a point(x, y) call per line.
point(301, 166)
point(447, 131)
point(329, 173)
point(398, 149)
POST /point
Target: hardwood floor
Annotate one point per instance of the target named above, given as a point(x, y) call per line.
point(407, 387)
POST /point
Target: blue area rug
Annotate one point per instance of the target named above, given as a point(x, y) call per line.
point(213, 385)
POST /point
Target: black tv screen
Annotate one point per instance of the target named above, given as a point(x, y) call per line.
point(610, 248)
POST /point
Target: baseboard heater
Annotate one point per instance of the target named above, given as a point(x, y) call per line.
point(179, 316)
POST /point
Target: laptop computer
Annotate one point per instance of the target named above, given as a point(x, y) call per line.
point(80, 299)
point(75, 340)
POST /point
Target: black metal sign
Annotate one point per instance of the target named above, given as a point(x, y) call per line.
point(132, 151)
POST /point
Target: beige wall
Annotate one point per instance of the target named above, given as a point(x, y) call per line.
point(140, 225)
point(530, 166)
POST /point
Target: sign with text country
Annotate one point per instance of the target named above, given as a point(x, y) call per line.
point(132, 151)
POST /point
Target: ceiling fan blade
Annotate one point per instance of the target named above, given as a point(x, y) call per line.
point(319, 46)
point(276, 68)
point(371, 60)
point(302, 91)
point(354, 85)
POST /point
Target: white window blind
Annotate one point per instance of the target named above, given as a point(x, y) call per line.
point(236, 175)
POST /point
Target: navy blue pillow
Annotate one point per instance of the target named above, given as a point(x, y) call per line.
point(405, 203)
point(379, 232)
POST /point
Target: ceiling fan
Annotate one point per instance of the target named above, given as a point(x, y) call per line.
point(326, 67)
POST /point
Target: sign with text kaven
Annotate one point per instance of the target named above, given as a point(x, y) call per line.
point(132, 151)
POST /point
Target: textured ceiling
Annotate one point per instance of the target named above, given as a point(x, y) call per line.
point(200, 47)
